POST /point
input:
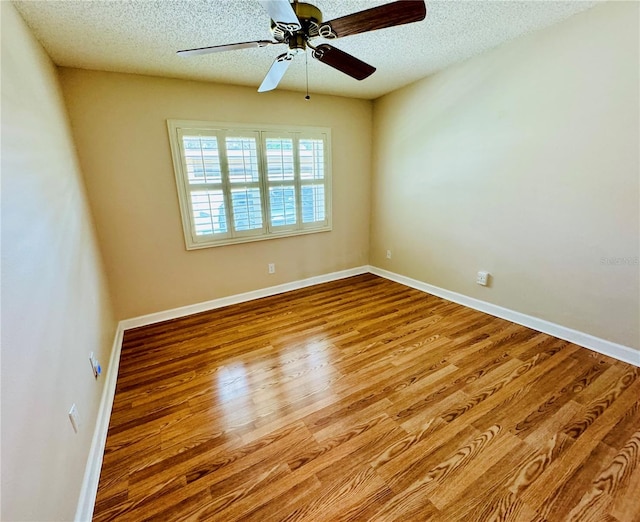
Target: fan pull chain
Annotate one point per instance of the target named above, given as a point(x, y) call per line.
point(306, 55)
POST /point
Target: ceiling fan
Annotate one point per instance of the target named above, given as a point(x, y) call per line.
point(296, 24)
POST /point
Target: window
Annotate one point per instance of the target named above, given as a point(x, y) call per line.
point(238, 184)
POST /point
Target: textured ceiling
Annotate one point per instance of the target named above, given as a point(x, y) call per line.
point(142, 37)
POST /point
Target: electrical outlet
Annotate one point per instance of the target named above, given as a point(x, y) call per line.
point(272, 268)
point(388, 254)
point(74, 417)
point(482, 278)
point(95, 365)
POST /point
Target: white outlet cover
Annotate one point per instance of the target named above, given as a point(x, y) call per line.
point(74, 417)
point(95, 365)
point(482, 278)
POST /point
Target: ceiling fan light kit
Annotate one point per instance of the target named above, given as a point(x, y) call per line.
point(296, 24)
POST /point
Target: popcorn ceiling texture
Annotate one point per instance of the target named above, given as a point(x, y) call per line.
point(142, 37)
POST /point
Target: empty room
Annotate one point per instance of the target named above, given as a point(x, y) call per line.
point(267, 260)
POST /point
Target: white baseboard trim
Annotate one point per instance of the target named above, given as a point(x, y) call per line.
point(617, 351)
point(87, 500)
point(183, 311)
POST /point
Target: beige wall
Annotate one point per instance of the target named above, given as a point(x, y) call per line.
point(524, 162)
point(55, 307)
point(119, 125)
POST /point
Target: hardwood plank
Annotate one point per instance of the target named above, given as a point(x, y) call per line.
point(444, 494)
point(344, 499)
point(571, 491)
point(551, 480)
point(362, 399)
point(595, 503)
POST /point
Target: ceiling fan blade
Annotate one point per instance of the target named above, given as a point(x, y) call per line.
point(342, 61)
point(275, 74)
point(388, 15)
point(227, 47)
point(282, 14)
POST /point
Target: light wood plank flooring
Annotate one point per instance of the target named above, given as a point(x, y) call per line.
point(363, 399)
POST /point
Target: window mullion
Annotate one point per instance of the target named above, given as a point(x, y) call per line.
point(264, 182)
point(296, 179)
point(226, 185)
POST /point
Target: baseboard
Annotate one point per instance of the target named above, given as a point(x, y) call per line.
point(617, 351)
point(182, 311)
point(87, 500)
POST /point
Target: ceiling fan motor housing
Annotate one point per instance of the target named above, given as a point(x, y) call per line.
point(297, 43)
point(310, 18)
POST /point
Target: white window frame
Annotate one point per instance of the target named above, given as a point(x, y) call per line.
point(178, 128)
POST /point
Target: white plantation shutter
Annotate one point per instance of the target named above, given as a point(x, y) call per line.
point(313, 180)
point(237, 185)
point(296, 179)
point(244, 186)
point(281, 180)
point(203, 182)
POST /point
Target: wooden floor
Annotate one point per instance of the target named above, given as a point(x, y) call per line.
point(363, 399)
